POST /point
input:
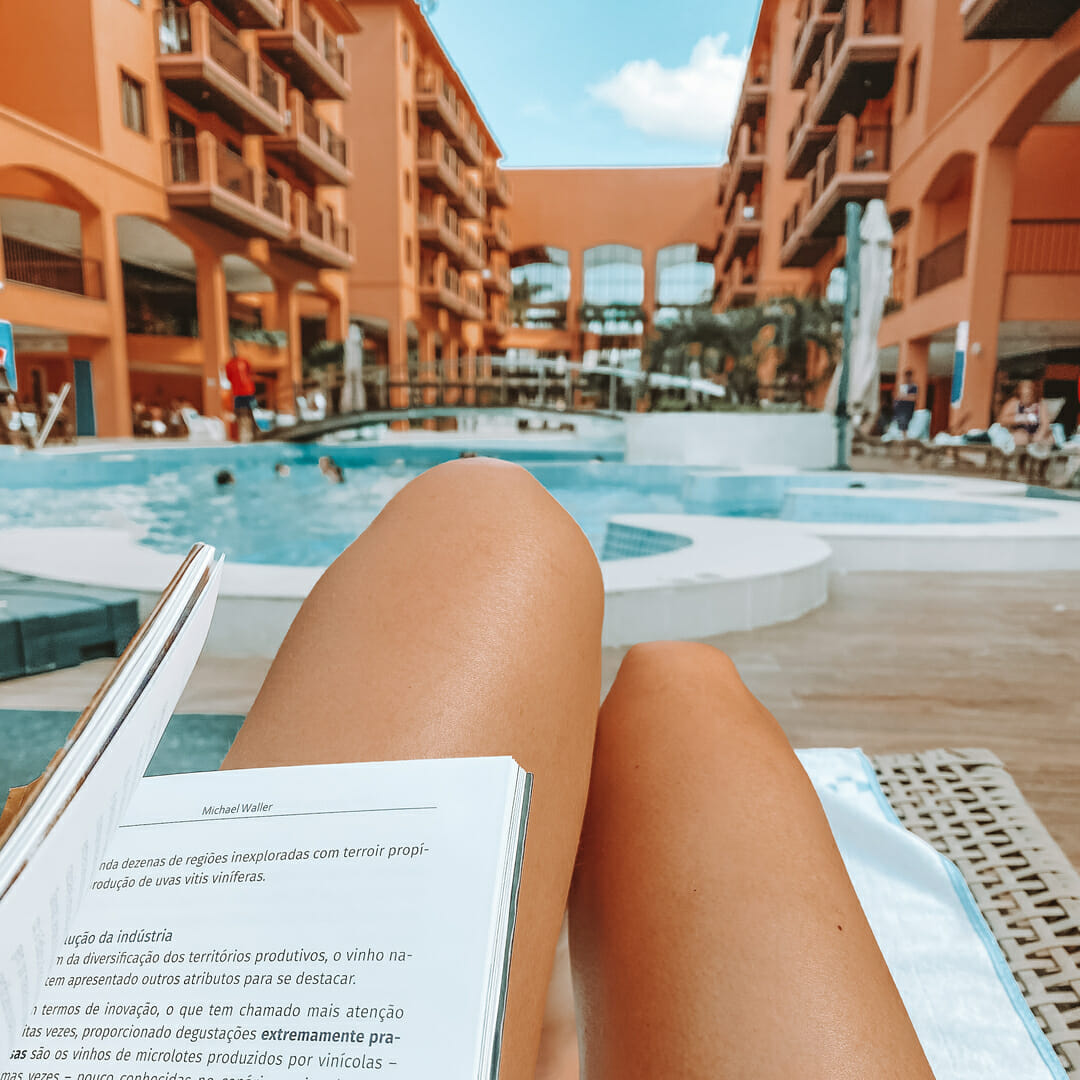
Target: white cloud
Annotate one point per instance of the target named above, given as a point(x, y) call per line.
point(694, 103)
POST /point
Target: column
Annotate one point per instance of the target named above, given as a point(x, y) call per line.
point(213, 302)
point(469, 375)
point(451, 372)
point(986, 265)
point(287, 318)
point(112, 383)
point(577, 296)
point(427, 366)
point(397, 355)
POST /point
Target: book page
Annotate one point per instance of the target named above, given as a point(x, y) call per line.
point(318, 921)
point(47, 862)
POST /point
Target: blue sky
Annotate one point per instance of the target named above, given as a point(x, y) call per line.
point(602, 82)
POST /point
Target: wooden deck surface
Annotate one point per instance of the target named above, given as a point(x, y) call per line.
point(905, 662)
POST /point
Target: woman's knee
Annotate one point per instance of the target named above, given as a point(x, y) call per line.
point(689, 694)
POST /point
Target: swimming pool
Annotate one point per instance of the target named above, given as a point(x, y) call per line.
point(170, 499)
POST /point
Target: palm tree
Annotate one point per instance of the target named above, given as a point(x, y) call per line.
point(799, 322)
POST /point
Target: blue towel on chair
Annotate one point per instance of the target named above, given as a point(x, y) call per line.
point(966, 1007)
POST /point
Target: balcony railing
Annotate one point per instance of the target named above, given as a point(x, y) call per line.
point(474, 254)
point(438, 225)
point(473, 200)
point(313, 148)
point(816, 24)
point(317, 235)
point(942, 265)
point(471, 144)
point(45, 268)
point(853, 166)
point(205, 177)
point(438, 164)
point(496, 185)
point(497, 232)
point(1048, 246)
point(310, 52)
point(204, 63)
point(858, 61)
point(436, 102)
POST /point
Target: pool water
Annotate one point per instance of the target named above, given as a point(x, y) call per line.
point(172, 500)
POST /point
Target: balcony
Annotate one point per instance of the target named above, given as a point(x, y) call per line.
point(740, 285)
point(747, 166)
point(474, 255)
point(498, 323)
point(46, 268)
point(497, 186)
point(202, 61)
point(438, 165)
point(942, 265)
point(206, 178)
point(470, 143)
point(253, 14)
point(854, 167)
point(440, 285)
point(439, 229)
point(472, 304)
point(317, 237)
point(742, 234)
point(820, 17)
point(752, 108)
point(991, 19)
point(437, 103)
point(497, 279)
point(310, 52)
point(473, 200)
point(805, 141)
point(310, 145)
point(857, 63)
point(497, 233)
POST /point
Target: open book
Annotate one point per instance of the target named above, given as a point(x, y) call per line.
point(308, 922)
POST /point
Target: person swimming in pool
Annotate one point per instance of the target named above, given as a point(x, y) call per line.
point(331, 470)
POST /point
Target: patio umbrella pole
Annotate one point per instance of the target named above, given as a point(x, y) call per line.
point(851, 311)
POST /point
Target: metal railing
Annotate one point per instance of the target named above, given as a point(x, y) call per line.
point(942, 265)
point(46, 268)
point(828, 168)
point(1045, 246)
point(182, 160)
point(308, 26)
point(334, 56)
point(273, 196)
point(227, 51)
point(234, 174)
point(269, 85)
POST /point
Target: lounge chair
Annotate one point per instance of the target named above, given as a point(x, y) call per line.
point(203, 428)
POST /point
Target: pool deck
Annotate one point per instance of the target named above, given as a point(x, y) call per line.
point(894, 662)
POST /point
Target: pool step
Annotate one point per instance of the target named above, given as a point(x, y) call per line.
point(45, 625)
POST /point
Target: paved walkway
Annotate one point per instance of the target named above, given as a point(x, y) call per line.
point(893, 662)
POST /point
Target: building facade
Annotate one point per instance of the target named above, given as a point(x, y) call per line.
point(965, 118)
point(171, 177)
point(431, 285)
point(601, 256)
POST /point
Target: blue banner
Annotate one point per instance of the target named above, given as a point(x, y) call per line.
point(7, 353)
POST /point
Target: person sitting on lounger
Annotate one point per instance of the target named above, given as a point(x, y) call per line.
point(907, 396)
point(1026, 418)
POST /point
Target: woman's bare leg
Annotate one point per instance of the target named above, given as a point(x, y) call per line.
point(464, 622)
point(713, 929)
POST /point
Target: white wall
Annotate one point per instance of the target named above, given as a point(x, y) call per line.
point(732, 440)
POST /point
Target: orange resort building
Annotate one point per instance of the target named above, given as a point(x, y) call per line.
point(172, 176)
point(964, 116)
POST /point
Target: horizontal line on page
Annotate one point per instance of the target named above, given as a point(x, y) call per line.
point(262, 817)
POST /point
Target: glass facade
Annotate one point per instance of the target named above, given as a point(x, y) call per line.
point(682, 281)
point(541, 288)
point(614, 290)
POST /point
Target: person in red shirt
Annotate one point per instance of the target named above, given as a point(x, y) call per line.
point(241, 380)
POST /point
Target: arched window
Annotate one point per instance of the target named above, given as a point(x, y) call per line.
point(614, 290)
point(682, 281)
point(541, 281)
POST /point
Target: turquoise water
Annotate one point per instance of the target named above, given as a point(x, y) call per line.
point(302, 519)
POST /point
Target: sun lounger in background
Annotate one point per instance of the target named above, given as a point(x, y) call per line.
point(203, 428)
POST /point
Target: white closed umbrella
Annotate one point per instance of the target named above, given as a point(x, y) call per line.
point(353, 397)
point(875, 282)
